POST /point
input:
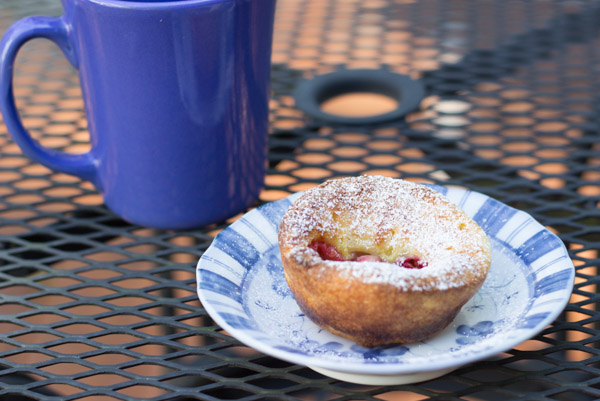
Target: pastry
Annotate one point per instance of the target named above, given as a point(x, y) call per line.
point(380, 260)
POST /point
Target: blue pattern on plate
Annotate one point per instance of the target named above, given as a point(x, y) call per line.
point(376, 353)
point(211, 281)
point(554, 282)
point(244, 290)
point(473, 334)
point(239, 322)
point(532, 321)
point(537, 246)
point(238, 247)
point(493, 215)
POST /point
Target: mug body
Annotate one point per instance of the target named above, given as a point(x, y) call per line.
point(176, 96)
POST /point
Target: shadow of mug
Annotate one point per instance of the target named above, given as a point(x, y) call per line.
point(176, 96)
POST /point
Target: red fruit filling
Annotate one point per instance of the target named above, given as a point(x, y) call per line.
point(329, 252)
point(326, 251)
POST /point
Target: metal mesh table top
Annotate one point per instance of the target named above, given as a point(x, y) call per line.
point(94, 308)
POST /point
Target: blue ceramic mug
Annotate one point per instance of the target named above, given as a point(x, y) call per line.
point(176, 96)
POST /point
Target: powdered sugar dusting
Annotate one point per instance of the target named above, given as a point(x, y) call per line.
point(390, 218)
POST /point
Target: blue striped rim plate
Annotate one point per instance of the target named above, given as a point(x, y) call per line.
point(241, 285)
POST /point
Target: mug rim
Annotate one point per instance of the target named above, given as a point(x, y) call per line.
point(145, 4)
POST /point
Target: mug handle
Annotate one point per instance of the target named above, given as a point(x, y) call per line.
point(55, 29)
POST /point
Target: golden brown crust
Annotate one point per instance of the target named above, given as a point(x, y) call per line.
point(375, 303)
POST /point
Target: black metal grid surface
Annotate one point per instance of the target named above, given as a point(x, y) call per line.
point(93, 308)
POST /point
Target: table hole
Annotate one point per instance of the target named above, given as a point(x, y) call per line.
point(69, 264)
point(110, 359)
point(359, 104)
point(43, 318)
point(415, 167)
point(274, 180)
point(134, 283)
point(135, 391)
point(24, 199)
point(93, 292)
point(400, 395)
point(314, 158)
point(519, 161)
point(73, 247)
point(28, 357)
point(351, 151)
point(383, 145)
point(86, 310)
point(452, 121)
point(58, 282)
point(142, 248)
point(122, 319)
point(552, 168)
point(105, 256)
point(382, 160)
point(33, 254)
point(319, 144)
point(53, 300)
point(33, 184)
point(347, 166)
point(351, 137)
point(589, 190)
point(160, 310)
point(65, 369)
point(452, 107)
point(302, 186)
point(272, 383)
point(18, 214)
point(104, 379)
point(361, 94)
point(9, 327)
point(227, 393)
point(61, 192)
point(16, 290)
point(116, 339)
point(181, 257)
point(311, 172)
point(35, 338)
point(150, 349)
point(128, 301)
point(89, 199)
point(148, 369)
point(139, 265)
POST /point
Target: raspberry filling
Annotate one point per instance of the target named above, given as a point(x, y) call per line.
point(329, 252)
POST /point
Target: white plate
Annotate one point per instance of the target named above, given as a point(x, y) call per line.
point(241, 286)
